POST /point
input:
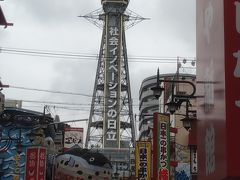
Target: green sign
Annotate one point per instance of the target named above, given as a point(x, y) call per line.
point(163, 146)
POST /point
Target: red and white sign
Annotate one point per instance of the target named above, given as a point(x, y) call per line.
point(218, 67)
point(35, 163)
point(73, 136)
point(42, 163)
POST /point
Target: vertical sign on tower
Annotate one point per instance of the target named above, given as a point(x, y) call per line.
point(112, 86)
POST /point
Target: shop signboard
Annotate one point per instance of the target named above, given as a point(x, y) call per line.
point(143, 160)
point(73, 136)
point(161, 146)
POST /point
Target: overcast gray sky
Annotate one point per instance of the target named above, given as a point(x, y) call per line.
point(53, 25)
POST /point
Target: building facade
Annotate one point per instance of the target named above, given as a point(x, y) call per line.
point(148, 104)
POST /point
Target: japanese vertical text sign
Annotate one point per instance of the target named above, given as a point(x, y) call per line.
point(143, 160)
point(161, 146)
point(112, 87)
point(31, 163)
point(42, 163)
point(35, 163)
point(193, 160)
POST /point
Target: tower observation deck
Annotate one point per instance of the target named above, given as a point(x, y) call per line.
point(111, 124)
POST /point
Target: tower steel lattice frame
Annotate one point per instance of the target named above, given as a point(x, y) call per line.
point(111, 122)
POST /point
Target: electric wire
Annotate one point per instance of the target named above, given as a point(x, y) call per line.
point(87, 56)
point(49, 91)
point(82, 105)
point(54, 91)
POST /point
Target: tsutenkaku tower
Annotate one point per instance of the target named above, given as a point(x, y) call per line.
point(111, 123)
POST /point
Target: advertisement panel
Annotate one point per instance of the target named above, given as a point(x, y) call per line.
point(143, 154)
point(218, 44)
point(35, 163)
point(161, 146)
point(73, 136)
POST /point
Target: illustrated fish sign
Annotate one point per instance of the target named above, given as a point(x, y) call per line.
point(77, 163)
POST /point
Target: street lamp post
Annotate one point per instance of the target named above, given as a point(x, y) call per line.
point(188, 119)
point(176, 99)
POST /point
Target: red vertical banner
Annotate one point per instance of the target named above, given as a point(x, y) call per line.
point(35, 163)
point(31, 164)
point(42, 163)
point(161, 146)
point(232, 71)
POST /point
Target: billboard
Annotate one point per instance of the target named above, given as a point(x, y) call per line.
point(161, 146)
point(35, 163)
point(73, 136)
point(218, 70)
point(143, 154)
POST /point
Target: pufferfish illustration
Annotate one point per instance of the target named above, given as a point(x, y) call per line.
point(82, 164)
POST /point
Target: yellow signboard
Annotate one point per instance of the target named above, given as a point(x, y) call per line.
point(143, 160)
